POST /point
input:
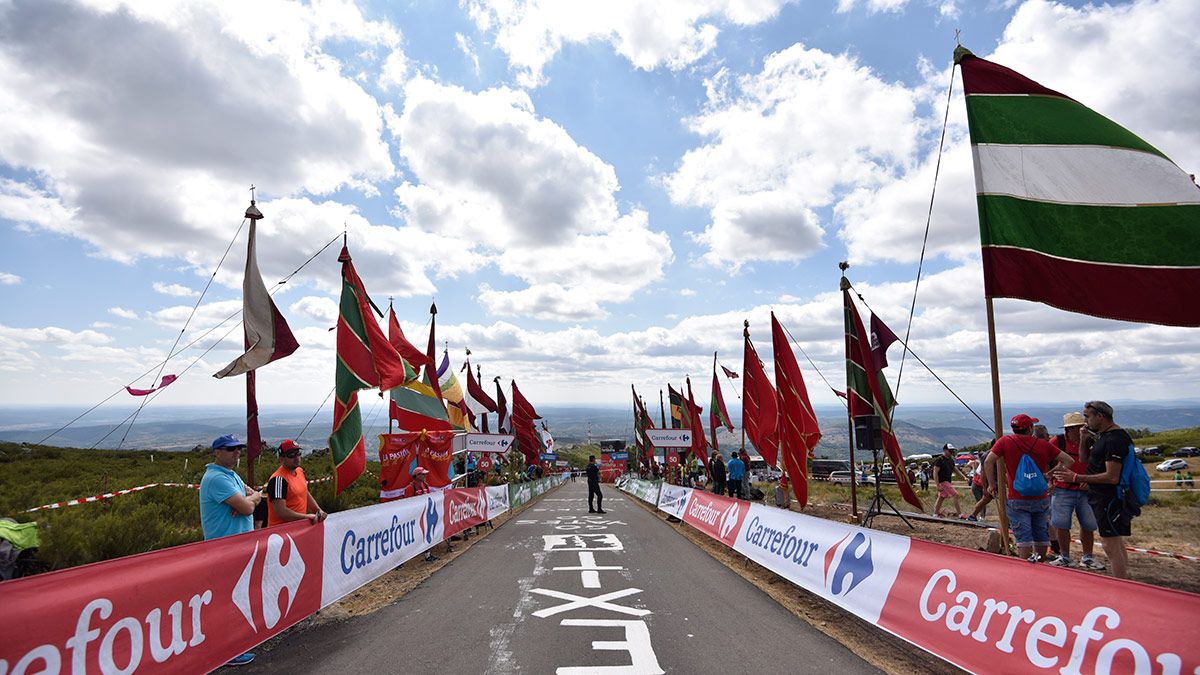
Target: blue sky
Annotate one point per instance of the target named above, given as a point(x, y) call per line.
point(595, 193)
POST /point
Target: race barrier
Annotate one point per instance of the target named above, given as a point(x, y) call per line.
point(979, 611)
point(645, 490)
point(191, 608)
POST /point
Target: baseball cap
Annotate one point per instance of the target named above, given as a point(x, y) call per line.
point(287, 445)
point(1023, 421)
point(949, 446)
point(1073, 419)
point(227, 441)
point(420, 471)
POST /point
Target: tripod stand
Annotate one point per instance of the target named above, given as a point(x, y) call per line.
point(879, 499)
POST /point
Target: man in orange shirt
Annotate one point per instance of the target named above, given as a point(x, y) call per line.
point(287, 489)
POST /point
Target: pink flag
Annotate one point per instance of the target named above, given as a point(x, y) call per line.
point(167, 379)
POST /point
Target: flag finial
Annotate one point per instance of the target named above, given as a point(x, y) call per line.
point(252, 211)
point(960, 52)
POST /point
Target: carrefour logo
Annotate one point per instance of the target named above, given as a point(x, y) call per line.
point(276, 577)
point(430, 521)
point(853, 562)
point(729, 520)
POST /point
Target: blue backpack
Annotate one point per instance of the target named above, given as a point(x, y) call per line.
point(1029, 481)
point(1134, 487)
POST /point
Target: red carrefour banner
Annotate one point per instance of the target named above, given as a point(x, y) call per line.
point(718, 517)
point(989, 613)
point(183, 609)
point(465, 507)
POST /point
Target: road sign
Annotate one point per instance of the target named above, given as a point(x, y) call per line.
point(489, 442)
point(670, 438)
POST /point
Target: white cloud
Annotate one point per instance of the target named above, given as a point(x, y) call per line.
point(671, 33)
point(100, 325)
point(175, 290)
point(9, 279)
point(122, 312)
point(686, 292)
point(321, 309)
point(873, 6)
point(106, 105)
point(468, 50)
point(784, 142)
point(516, 191)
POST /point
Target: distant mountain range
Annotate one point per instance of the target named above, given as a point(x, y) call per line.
point(921, 429)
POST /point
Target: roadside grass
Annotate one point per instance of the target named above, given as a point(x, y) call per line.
point(144, 521)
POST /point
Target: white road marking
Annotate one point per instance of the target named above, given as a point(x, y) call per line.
point(582, 542)
point(502, 660)
point(577, 601)
point(636, 642)
point(589, 572)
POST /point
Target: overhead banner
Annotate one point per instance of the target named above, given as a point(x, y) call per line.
point(947, 600)
point(670, 438)
point(488, 442)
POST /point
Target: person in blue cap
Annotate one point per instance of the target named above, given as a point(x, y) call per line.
point(226, 504)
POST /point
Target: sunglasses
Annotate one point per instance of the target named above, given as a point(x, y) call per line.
point(290, 453)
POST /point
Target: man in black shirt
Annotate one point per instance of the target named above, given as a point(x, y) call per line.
point(1103, 445)
point(944, 468)
point(593, 476)
point(716, 466)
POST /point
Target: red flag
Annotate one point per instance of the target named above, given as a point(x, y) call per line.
point(406, 349)
point(699, 445)
point(729, 373)
point(477, 393)
point(397, 459)
point(501, 406)
point(882, 337)
point(434, 453)
point(166, 379)
point(523, 415)
point(869, 394)
point(760, 415)
point(798, 433)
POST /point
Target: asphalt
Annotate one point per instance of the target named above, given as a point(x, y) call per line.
point(506, 606)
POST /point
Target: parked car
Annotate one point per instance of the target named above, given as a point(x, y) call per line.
point(1189, 451)
point(885, 477)
point(821, 468)
point(1172, 465)
point(841, 477)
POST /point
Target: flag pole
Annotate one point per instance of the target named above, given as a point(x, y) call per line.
point(844, 285)
point(712, 426)
point(253, 434)
point(662, 409)
point(1001, 469)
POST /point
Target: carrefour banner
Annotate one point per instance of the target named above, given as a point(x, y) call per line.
point(186, 609)
point(979, 611)
point(645, 490)
point(363, 544)
point(497, 500)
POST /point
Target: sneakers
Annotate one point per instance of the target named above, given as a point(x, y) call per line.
point(1061, 561)
point(241, 660)
point(1035, 558)
point(1051, 556)
point(973, 519)
point(1090, 563)
point(601, 511)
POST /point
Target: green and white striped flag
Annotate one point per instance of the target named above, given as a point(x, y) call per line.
point(1076, 211)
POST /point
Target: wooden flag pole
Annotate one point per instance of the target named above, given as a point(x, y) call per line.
point(1001, 469)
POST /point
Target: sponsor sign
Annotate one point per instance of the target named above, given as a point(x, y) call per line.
point(497, 500)
point(548, 456)
point(488, 442)
point(718, 517)
point(519, 494)
point(1038, 618)
point(850, 566)
point(672, 499)
point(645, 490)
point(183, 609)
point(363, 544)
point(561, 462)
point(619, 456)
point(465, 507)
point(670, 438)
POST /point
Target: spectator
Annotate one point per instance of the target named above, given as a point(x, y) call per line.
point(745, 457)
point(982, 498)
point(1027, 514)
point(737, 469)
point(1040, 431)
point(593, 481)
point(420, 486)
point(1072, 498)
point(1104, 444)
point(716, 466)
point(943, 470)
point(1178, 478)
point(1189, 479)
point(226, 504)
point(923, 475)
point(287, 490)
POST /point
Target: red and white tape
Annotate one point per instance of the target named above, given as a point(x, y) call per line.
point(1161, 554)
point(118, 493)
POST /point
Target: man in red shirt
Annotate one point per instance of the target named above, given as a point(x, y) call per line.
point(1027, 514)
point(287, 490)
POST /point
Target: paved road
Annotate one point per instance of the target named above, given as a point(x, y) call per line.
point(559, 590)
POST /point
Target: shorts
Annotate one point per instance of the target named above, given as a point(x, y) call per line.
point(1112, 519)
point(1027, 518)
point(1064, 503)
point(946, 489)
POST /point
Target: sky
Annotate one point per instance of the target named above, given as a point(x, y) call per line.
point(595, 193)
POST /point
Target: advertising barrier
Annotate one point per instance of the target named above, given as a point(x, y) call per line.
point(645, 490)
point(979, 611)
point(191, 608)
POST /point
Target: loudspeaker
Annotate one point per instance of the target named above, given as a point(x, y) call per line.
point(868, 434)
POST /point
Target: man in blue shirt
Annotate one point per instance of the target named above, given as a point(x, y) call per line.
point(226, 504)
point(736, 468)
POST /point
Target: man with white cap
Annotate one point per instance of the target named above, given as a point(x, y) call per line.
point(944, 468)
point(1072, 499)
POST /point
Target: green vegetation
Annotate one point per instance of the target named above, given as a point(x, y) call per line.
point(135, 523)
point(1170, 441)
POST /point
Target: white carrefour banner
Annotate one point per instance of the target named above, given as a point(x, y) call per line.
point(669, 438)
point(672, 499)
point(848, 565)
point(363, 544)
point(488, 442)
point(497, 500)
